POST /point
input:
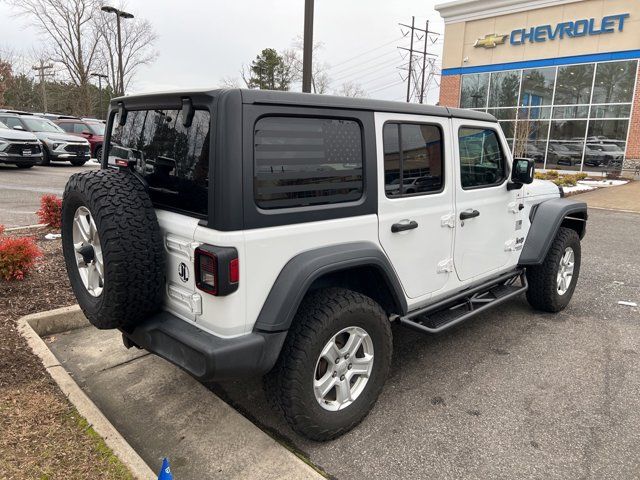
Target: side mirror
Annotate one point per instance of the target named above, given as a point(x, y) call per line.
point(18, 127)
point(521, 173)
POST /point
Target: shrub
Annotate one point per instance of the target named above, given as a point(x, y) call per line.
point(17, 257)
point(581, 176)
point(1, 229)
point(552, 174)
point(540, 176)
point(50, 211)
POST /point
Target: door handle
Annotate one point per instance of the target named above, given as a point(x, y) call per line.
point(401, 227)
point(467, 214)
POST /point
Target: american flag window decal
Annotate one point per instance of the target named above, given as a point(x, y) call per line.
point(307, 161)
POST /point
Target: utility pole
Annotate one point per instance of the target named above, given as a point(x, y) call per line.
point(426, 32)
point(100, 77)
point(41, 69)
point(307, 48)
point(119, 14)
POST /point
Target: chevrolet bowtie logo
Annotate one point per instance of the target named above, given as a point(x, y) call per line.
point(490, 41)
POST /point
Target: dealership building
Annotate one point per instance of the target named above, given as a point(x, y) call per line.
point(561, 76)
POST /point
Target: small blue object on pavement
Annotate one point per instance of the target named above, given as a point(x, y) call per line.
point(165, 473)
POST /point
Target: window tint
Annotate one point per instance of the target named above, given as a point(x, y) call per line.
point(481, 159)
point(413, 160)
point(173, 159)
point(66, 126)
point(306, 161)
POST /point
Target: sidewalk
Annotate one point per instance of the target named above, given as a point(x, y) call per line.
point(624, 198)
point(161, 411)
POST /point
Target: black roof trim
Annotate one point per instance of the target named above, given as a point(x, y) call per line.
point(274, 97)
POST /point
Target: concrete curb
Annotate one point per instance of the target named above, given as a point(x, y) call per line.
point(32, 327)
point(26, 227)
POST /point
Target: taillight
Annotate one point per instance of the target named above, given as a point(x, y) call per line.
point(217, 269)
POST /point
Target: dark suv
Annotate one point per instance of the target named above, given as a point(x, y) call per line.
point(57, 145)
point(90, 130)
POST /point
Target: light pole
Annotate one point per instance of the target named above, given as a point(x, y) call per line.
point(100, 77)
point(307, 46)
point(119, 14)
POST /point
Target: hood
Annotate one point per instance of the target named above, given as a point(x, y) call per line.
point(64, 137)
point(10, 134)
point(540, 187)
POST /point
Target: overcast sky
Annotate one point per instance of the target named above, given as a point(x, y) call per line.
point(203, 41)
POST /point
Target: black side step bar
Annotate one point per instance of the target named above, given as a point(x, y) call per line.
point(451, 311)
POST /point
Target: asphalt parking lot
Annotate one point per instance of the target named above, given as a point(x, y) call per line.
point(20, 190)
point(510, 394)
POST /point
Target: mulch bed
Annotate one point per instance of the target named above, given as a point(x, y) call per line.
point(41, 434)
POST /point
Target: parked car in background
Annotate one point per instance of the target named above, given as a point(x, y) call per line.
point(22, 149)
point(90, 130)
point(575, 157)
point(57, 145)
point(611, 155)
point(558, 152)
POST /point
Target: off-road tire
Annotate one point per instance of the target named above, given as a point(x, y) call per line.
point(289, 385)
point(78, 163)
point(543, 291)
point(131, 244)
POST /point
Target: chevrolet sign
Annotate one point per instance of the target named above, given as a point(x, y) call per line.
point(579, 28)
point(490, 41)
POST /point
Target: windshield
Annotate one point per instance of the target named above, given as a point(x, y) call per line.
point(173, 159)
point(96, 128)
point(2, 125)
point(35, 124)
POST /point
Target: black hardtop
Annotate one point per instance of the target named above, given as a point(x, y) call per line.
point(173, 100)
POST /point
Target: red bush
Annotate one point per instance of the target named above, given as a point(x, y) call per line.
point(1, 229)
point(17, 257)
point(50, 211)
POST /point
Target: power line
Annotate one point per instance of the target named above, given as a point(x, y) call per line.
point(376, 67)
point(352, 67)
point(366, 52)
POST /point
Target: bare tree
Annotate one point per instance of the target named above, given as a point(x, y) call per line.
point(138, 38)
point(230, 82)
point(319, 76)
point(350, 89)
point(71, 32)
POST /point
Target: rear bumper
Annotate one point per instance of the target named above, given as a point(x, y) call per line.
point(206, 356)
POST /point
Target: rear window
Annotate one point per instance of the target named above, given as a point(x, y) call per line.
point(302, 162)
point(173, 159)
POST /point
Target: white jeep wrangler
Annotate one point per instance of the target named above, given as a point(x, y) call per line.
point(241, 232)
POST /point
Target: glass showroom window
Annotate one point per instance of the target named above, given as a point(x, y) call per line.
point(567, 135)
point(588, 105)
point(504, 88)
point(474, 91)
point(537, 87)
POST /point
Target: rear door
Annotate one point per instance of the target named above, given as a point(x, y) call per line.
point(486, 212)
point(415, 199)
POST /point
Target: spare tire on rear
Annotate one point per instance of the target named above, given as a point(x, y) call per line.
point(112, 248)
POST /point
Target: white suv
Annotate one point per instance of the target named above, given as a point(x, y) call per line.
point(252, 232)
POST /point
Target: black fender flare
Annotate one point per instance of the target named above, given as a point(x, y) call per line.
point(547, 218)
point(301, 271)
